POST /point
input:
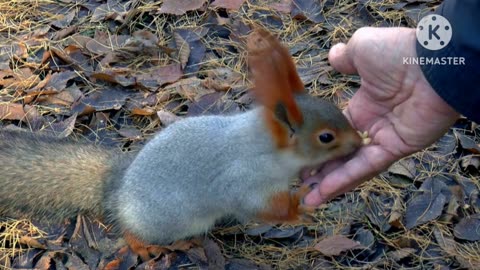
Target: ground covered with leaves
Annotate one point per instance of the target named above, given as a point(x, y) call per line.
point(115, 72)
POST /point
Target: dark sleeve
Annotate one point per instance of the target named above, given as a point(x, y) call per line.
point(458, 85)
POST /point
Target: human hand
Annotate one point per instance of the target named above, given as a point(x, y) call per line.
point(395, 104)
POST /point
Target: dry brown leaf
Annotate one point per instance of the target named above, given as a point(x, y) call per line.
point(183, 49)
point(399, 254)
point(396, 214)
point(334, 245)
point(228, 4)
point(64, 20)
point(405, 167)
point(159, 76)
point(121, 76)
point(114, 10)
point(214, 255)
point(23, 78)
point(145, 111)
point(180, 7)
point(190, 88)
point(31, 242)
point(45, 261)
point(11, 111)
point(57, 82)
point(64, 32)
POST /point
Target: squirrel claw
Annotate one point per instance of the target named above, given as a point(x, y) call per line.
point(304, 211)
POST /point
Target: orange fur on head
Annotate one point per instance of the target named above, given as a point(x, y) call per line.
point(276, 81)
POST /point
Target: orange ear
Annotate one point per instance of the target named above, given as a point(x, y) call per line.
point(276, 80)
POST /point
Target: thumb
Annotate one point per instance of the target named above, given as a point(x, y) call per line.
point(341, 60)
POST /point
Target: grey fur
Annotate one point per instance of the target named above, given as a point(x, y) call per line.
point(202, 169)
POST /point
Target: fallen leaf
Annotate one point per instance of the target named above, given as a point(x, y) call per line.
point(180, 7)
point(258, 230)
point(335, 245)
point(159, 76)
point(46, 261)
point(183, 49)
point(167, 117)
point(145, 111)
point(25, 260)
point(365, 237)
point(228, 4)
point(241, 264)
point(64, 20)
point(104, 43)
point(189, 88)
point(377, 210)
point(54, 84)
point(446, 145)
point(396, 213)
point(214, 255)
point(210, 104)
point(197, 255)
point(308, 10)
point(451, 211)
point(11, 111)
point(61, 34)
point(64, 128)
point(20, 79)
point(468, 228)
point(106, 99)
point(405, 167)
point(470, 162)
point(400, 254)
point(467, 142)
point(449, 246)
point(284, 6)
point(130, 133)
point(73, 55)
point(192, 36)
point(121, 76)
point(283, 233)
point(114, 10)
point(427, 204)
point(31, 242)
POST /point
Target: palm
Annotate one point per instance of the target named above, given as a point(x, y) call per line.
point(395, 105)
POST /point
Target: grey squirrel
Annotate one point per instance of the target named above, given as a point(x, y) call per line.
point(194, 172)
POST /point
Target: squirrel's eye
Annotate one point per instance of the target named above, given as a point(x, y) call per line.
point(326, 137)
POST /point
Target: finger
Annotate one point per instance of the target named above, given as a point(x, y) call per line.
point(322, 170)
point(341, 60)
point(367, 162)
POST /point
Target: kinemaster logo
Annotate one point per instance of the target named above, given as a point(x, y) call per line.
point(434, 32)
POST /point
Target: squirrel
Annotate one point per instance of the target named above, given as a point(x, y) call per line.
point(193, 173)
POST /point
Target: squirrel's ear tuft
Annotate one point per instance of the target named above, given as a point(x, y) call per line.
point(275, 82)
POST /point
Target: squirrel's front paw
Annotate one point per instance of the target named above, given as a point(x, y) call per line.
point(303, 210)
point(288, 207)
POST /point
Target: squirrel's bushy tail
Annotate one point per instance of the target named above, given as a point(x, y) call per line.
point(56, 178)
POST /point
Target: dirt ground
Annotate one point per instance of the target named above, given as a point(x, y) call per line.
point(116, 72)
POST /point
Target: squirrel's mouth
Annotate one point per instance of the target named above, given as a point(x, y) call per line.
point(322, 169)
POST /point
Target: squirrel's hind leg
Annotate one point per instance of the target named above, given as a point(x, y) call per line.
point(138, 246)
point(147, 251)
